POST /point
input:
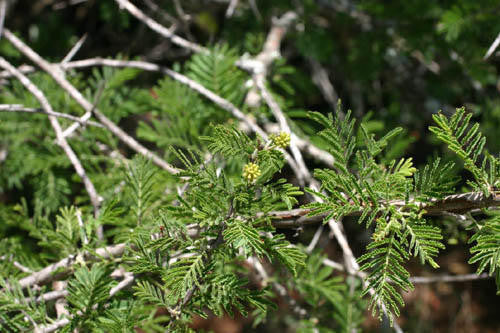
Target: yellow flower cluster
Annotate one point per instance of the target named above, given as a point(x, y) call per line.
point(282, 140)
point(251, 172)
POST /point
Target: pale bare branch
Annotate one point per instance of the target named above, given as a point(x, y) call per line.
point(20, 108)
point(155, 26)
point(259, 66)
point(46, 274)
point(232, 6)
point(61, 303)
point(74, 49)
point(315, 239)
point(449, 278)
point(322, 81)
point(127, 281)
point(3, 12)
point(492, 48)
point(54, 326)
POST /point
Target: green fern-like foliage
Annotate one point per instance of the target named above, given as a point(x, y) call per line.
point(229, 141)
point(382, 195)
point(225, 293)
point(385, 257)
point(435, 180)
point(217, 72)
point(486, 252)
point(243, 236)
point(121, 316)
point(465, 141)
point(141, 180)
point(87, 293)
point(320, 285)
point(390, 197)
point(178, 117)
point(425, 240)
point(186, 274)
point(14, 306)
point(315, 280)
point(187, 237)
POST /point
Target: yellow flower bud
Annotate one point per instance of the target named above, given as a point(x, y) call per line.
point(282, 140)
point(251, 172)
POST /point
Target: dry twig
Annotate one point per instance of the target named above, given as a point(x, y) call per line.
point(46, 274)
point(20, 108)
point(74, 49)
point(492, 48)
point(3, 12)
point(449, 278)
point(153, 25)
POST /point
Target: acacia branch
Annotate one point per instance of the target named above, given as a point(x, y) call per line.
point(281, 219)
point(212, 246)
point(456, 204)
point(350, 261)
point(127, 280)
point(47, 274)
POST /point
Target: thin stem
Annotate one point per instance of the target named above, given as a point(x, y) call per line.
point(449, 278)
point(157, 27)
point(20, 108)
